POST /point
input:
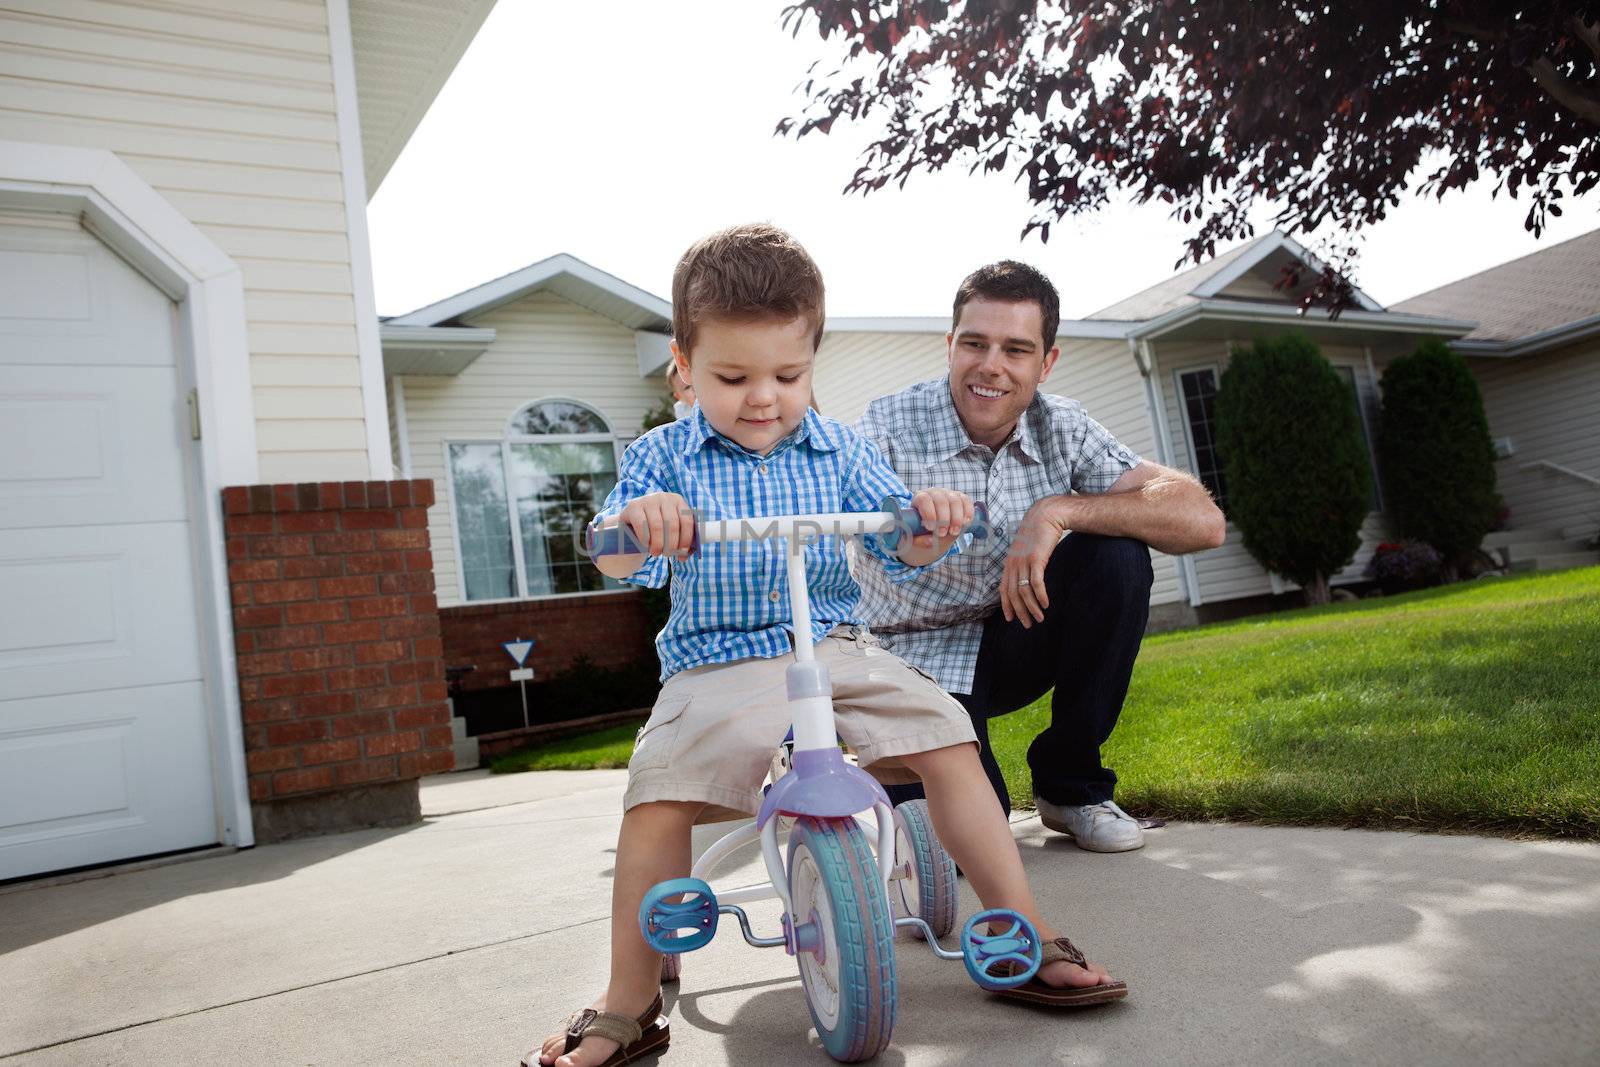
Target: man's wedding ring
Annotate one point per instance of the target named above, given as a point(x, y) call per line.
point(1023, 582)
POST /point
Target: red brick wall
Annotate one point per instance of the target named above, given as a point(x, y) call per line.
point(610, 628)
point(341, 676)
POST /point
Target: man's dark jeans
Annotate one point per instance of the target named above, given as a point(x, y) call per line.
point(1099, 590)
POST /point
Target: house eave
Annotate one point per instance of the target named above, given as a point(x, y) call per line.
point(1217, 310)
point(567, 276)
point(1555, 337)
point(435, 351)
point(1071, 329)
point(1275, 242)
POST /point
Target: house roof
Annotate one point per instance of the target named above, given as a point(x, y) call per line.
point(404, 51)
point(1211, 279)
point(562, 274)
point(1537, 294)
point(427, 330)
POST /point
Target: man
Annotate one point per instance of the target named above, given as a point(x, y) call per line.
point(1069, 564)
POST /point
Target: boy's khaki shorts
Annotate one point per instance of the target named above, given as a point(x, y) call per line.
point(714, 729)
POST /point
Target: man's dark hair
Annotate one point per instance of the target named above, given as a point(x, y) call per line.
point(1013, 283)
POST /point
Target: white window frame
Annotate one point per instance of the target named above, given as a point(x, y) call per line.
point(1183, 409)
point(1366, 433)
point(506, 440)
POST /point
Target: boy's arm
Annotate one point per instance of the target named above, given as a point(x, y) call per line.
point(869, 479)
point(640, 476)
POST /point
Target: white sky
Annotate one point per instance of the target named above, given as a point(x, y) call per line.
point(620, 132)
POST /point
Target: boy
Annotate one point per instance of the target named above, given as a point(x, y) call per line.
point(747, 306)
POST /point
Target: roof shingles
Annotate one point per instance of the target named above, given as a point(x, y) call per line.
point(1540, 291)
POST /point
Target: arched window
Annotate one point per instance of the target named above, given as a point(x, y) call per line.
point(545, 479)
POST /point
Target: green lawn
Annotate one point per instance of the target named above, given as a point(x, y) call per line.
point(1474, 708)
point(603, 748)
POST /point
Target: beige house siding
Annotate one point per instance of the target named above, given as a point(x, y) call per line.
point(227, 111)
point(1549, 405)
point(545, 347)
point(1104, 377)
point(1230, 571)
point(854, 369)
point(1254, 285)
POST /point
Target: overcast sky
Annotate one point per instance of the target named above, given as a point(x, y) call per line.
point(621, 131)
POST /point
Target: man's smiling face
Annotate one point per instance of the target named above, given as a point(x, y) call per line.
point(997, 360)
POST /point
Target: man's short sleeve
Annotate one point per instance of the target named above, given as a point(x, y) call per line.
point(868, 480)
point(1098, 459)
point(643, 471)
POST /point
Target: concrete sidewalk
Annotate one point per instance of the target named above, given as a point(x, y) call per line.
point(462, 940)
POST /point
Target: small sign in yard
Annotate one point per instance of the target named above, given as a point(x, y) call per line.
point(518, 650)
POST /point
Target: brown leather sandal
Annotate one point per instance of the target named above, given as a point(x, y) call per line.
point(636, 1037)
point(1037, 991)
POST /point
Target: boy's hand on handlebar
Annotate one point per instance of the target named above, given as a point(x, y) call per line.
point(663, 523)
point(945, 512)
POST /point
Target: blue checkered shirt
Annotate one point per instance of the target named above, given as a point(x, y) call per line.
point(934, 619)
point(730, 601)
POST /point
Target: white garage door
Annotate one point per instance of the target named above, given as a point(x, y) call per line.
point(104, 739)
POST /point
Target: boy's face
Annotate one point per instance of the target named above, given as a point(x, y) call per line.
point(752, 378)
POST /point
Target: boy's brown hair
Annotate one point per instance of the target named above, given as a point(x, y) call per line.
point(753, 271)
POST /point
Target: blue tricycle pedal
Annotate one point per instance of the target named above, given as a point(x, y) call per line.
point(983, 953)
point(660, 920)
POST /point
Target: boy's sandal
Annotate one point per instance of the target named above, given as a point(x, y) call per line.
point(1037, 991)
point(639, 1037)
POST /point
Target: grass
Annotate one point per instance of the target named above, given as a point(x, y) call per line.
point(1471, 708)
point(606, 748)
point(1474, 707)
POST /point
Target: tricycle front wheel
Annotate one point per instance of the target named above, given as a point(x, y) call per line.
point(845, 935)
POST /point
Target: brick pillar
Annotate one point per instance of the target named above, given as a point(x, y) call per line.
point(341, 675)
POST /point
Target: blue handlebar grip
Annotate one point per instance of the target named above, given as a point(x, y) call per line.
point(620, 540)
point(610, 540)
point(908, 522)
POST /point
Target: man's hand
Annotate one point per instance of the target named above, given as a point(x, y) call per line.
point(661, 523)
point(946, 513)
point(1022, 593)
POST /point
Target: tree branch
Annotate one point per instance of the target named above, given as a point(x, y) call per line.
point(1588, 33)
point(1566, 92)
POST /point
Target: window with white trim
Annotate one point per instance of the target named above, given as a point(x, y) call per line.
point(544, 480)
point(1348, 374)
point(1197, 397)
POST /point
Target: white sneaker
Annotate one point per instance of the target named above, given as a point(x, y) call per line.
point(1096, 827)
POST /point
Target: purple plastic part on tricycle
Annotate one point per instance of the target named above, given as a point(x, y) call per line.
point(822, 784)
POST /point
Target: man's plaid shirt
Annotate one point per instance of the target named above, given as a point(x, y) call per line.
point(934, 620)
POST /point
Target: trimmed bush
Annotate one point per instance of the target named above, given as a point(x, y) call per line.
point(1299, 482)
point(1435, 453)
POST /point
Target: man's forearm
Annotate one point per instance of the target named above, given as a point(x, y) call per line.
point(1171, 513)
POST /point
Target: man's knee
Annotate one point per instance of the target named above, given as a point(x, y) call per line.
point(1109, 562)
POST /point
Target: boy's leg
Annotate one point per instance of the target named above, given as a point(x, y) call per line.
point(974, 831)
point(899, 794)
point(653, 846)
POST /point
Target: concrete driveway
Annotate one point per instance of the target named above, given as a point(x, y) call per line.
point(460, 940)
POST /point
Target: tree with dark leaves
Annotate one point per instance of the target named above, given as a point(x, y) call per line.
point(1436, 455)
point(1324, 110)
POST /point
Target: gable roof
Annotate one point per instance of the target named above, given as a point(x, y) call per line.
point(1537, 294)
point(1211, 279)
point(565, 275)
